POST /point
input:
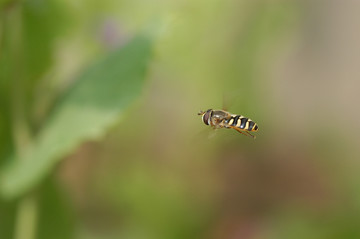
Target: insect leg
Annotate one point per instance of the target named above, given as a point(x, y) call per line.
point(254, 137)
point(238, 130)
point(244, 132)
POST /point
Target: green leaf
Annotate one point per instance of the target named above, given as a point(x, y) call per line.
point(95, 102)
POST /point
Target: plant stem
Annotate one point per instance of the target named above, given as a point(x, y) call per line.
point(26, 215)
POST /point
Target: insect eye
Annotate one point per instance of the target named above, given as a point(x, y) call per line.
point(206, 118)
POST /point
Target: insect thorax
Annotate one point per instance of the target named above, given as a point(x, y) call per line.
point(220, 114)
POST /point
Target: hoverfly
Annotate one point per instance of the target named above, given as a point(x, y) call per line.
point(223, 119)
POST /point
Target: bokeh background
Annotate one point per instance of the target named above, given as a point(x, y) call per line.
point(99, 133)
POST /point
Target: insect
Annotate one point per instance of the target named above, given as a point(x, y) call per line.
point(223, 119)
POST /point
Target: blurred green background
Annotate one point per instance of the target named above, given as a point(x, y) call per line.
point(99, 133)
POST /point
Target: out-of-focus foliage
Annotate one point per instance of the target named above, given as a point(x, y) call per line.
point(76, 161)
point(53, 201)
point(89, 107)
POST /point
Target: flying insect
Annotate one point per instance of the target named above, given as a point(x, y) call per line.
point(223, 119)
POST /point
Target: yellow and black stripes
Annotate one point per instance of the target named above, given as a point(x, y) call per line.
point(223, 119)
point(241, 122)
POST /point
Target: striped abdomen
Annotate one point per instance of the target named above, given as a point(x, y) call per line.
point(241, 122)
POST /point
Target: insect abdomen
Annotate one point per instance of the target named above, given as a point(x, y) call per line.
point(242, 122)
